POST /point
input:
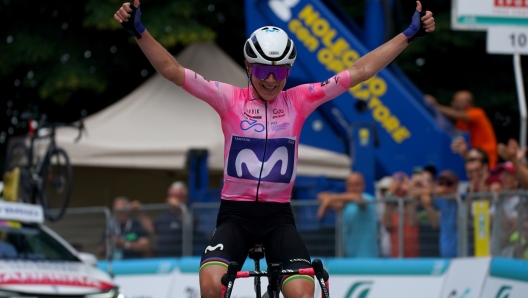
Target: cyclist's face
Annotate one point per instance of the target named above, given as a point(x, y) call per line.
point(268, 88)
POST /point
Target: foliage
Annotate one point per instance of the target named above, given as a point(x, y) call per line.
point(62, 56)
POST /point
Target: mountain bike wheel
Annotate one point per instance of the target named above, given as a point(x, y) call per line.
point(56, 187)
point(18, 157)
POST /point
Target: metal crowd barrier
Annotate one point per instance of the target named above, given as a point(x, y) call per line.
point(88, 227)
point(84, 228)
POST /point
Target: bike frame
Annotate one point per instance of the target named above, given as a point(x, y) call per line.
point(273, 274)
point(36, 168)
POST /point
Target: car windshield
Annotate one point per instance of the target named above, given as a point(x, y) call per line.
point(30, 241)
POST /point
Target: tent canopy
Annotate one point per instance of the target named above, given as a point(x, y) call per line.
point(156, 124)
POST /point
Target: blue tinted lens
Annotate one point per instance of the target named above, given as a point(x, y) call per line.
point(262, 71)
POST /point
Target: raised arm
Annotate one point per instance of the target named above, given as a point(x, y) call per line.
point(373, 62)
point(159, 57)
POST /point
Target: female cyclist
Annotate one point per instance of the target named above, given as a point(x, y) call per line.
point(261, 126)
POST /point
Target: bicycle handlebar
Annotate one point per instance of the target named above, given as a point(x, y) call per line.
point(302, 271)
point(317, 270)
point(43, 123)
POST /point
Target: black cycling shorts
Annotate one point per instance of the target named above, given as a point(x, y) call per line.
point(241, 225)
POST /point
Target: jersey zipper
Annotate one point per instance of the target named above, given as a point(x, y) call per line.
point(265, 147)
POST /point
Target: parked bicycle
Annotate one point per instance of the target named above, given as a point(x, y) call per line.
point(41, 176)
point(274, 273)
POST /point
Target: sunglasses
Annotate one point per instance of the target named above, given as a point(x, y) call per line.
point(280, 72)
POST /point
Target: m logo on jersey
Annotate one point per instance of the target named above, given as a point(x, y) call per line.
point(245, 159)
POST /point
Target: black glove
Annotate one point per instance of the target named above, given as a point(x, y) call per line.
point(133, 25)
point(416, 29)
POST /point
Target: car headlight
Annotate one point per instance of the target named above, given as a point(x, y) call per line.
point(113, 293)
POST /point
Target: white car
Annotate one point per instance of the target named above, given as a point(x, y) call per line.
point(36, 262)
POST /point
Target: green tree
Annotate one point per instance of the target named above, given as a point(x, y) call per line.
point(58, 57)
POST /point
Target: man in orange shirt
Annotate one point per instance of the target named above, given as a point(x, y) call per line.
point(471, 119)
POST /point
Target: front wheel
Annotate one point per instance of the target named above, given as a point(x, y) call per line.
point(56, 187)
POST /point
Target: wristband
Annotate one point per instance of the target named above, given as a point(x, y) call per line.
point(416, 29)
point(133, 25)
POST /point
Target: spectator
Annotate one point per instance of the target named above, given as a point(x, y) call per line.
point(131, 240)
point(520, 244)
point(459, 145)
point(447, 187)
point(422, 185)
point(509, 202)
point(477, 172)
point(472, 119)
point(360, 229)
point(168, 227)
point(384, 236)
point(513, 153)
point(399, 190)
point(431, 170)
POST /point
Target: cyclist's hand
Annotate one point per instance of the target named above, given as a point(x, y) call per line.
point(421, 24)
point(129, 16)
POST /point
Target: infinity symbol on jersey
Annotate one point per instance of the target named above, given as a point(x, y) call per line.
point(252, 124)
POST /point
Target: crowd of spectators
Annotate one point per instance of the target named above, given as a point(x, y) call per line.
point(137, 235)
point(424, 206)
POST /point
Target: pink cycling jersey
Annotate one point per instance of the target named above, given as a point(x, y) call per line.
point(261, 138)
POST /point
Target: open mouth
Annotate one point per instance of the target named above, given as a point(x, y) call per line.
point(269, 88)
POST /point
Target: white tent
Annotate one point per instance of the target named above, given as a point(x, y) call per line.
point(156, 124)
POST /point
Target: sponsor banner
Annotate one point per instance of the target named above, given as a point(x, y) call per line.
point(508, 278)
point(465, 277)
point(152, 285)
point(187, 286)
point(21, 212)
point(142, 266)
point(504, 288)
point(358, 278)
point(376, 286)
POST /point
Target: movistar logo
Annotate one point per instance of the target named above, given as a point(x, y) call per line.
point(504, 292)
point(282, 8)
point(248, 156)
point(269, 160)
point(359, 289)
point(213, 248)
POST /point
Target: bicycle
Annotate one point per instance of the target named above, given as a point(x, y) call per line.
point(273, 274)
point(46, 177)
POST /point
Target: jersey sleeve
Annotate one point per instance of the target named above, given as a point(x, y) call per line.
point(308, 97)
point(218, 95)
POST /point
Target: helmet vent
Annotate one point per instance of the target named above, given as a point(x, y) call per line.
point(249, 50)
point(293, 54)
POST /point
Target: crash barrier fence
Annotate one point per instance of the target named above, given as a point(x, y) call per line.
point(476, 224)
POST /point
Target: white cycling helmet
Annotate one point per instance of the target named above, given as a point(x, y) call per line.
point(271, 46)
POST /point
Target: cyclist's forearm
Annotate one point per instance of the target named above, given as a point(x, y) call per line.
point(161, 59)
point(373, 62)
